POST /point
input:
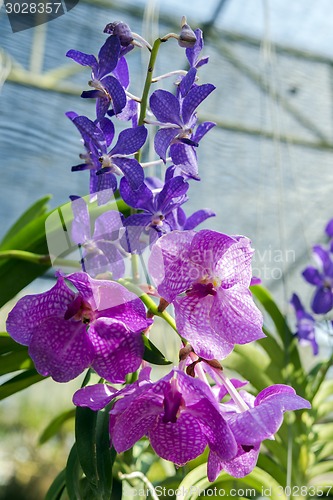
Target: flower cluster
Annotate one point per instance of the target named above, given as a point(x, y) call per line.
point(96, 319)
point(321, 277)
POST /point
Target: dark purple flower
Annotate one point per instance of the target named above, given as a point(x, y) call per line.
point(187, 37)
point(120, 29)
point(156, 205)
point(103, 164)
point(108, 90)
point(306, 325)
point(178, 414)
point(322, 301)
point(101, 251)
point(206, 275)
point(193, 53)
point(261, 421)
point(99, 325)
point(177, 120)
point(329, 232)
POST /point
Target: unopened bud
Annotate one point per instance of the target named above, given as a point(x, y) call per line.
point(214, 363)
point(184, 352)
point(122, 30)
point(187, 38)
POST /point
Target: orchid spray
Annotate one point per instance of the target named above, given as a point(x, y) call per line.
point(100, 317)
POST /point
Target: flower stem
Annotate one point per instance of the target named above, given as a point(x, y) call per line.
point(43, 260)
point(149, 77)
point(238, 400)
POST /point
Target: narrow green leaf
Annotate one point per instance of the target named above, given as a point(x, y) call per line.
point(55, 425)
point(14, 361)
point(73, 475)
point(324, 391)
point(105, 454)
point(85, 437)
point(321, 468)
point(57, 487)
point(19, 382)
point(7, 344)
point(34, 211)
point(152, 354)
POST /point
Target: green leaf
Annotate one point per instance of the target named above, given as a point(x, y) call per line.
point(34, 211)
point(55, 425)
point(85, 437)
point(7, 344)
point(57, 487)
point(152, 354)
point(105, 454)
point(20, 382)
point(14, 361)
point(73, 475)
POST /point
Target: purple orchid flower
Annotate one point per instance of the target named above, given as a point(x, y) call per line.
point(261, 421)
point(322, 301)
point(306, 325)
point(206, 275)
point(193, 53)
point(178, 414)
point(107, 88)
point(177, 120)
point(101, 250)
point(100, 325)
point(157, 204)
point(97, 138)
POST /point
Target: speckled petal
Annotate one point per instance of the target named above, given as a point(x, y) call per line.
point(165, 107)
point(121, 72)
point(169, 264)
point(195, 97)
point(193, 322)
point(197, 218)
point(216, 430)
point(141, 198)
point(118, 351)
point(187, 82)
point(135, 421)
point(61, 349)
point(132, 170)
point(163, 139)
point(208, 248)
point(235, 315)
point(178, 442)
point(130, 141)
point(202, 130)
point(116, 91)
point(185, 158)
point(108, 56)
point(81, 222)
point(95, 397)
point(233, 266)
point(32, 310)
point(83, 59)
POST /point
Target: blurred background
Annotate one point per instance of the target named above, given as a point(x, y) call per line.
point(266, 168)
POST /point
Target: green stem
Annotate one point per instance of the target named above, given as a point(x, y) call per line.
point(146, 88)
point(149, 303)
point(43, 260)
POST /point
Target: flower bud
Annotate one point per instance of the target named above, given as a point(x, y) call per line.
point(187, 38)
point(122, 30)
